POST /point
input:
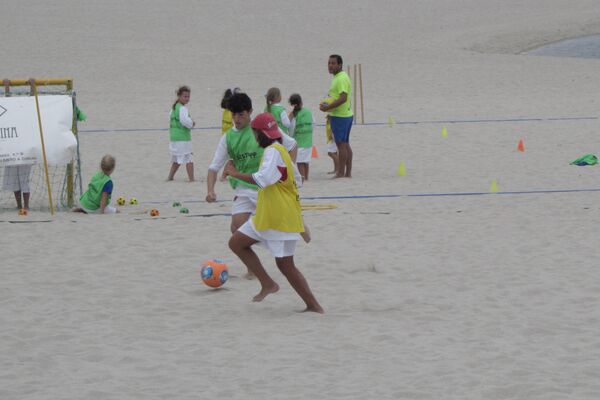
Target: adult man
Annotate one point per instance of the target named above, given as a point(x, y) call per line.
point(240, 146)
point(340, 114)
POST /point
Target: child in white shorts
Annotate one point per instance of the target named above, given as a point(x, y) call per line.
point(278, 220)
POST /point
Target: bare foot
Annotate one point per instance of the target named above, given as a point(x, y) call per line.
point(347, 176)
point(265, 291)
point(332, 172)
point(249, 275)
point(337, 176)
point(317, 309)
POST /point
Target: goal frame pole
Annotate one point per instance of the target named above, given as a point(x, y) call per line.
point(37, 106)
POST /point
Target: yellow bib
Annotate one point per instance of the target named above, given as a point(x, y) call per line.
point(328, 133)
point(278, 205)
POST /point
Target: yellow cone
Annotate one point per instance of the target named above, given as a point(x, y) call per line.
point(494, 187)
point(444, 132)
point(391, 121)
point(401, 170)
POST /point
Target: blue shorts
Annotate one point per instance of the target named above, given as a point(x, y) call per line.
point(340, 127)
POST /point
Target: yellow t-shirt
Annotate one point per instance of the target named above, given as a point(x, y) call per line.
point(341, 84)
point(278, 205)
point(226, 121)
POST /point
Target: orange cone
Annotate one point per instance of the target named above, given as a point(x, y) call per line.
point(521, 146)
point(314, 152)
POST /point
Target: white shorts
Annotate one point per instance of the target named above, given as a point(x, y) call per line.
point(181, 152)
point(16, 178)
point(278, 248)
point(243, 204)
point(107, 210)
point(304, 155)
point(332, 147)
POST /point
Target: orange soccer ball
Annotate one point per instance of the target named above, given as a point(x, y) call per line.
point(22, 211)
point(214, 273)
point(154, 212)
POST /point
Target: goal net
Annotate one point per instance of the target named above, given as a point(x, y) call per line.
point(38, 163)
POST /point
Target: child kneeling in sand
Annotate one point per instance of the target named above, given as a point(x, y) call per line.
point(96, 199)
point(278, 220)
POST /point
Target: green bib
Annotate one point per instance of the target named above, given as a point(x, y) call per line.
point(244, 151)
point(93, 196)
point(304, 128)
point(179, 133)
point(276, 110)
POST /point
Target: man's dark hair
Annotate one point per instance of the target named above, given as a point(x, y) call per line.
point(338, 58)
point(239, 102)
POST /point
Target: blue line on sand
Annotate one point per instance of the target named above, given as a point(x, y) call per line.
point(377, 196)
point(450, 121)
point(382, 196)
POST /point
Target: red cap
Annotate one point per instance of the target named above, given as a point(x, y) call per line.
point(266, 124)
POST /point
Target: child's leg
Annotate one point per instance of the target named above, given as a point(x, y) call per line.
point(18, 199)
point(190, 171)
point(336, 162)
point(296, 279)
point(241, 245)
point(26, 200)
point(303, 169)
point(342, 159)
point(174, 168)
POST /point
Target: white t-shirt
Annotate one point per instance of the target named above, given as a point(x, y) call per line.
point(272, 169)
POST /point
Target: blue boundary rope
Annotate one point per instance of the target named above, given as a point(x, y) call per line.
point(450, 121)
point(383, 196)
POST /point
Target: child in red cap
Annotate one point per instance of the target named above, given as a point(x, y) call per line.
point(278, 220)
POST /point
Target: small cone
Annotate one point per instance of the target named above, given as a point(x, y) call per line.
point(494, 187)
point(444, 132)
point(314, 152)
point(391, 121)
point(401, 170)
point(521, 146)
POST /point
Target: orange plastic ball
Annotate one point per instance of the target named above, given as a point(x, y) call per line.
point(214, 273)
point(154, 212)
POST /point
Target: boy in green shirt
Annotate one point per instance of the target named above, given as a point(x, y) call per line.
point(96, 199)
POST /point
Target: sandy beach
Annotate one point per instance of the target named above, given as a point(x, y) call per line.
point(433, 287)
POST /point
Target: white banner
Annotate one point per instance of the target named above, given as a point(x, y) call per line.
point(20, 135)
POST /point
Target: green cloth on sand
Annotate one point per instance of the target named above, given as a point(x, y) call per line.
point(588, 159)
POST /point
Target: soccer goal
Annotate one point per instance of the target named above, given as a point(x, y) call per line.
point(39, 145)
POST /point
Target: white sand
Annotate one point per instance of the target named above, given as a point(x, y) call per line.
point(446, 297)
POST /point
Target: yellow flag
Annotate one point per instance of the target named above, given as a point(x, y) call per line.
point(401, 170)
point(494, 187)
point(444, 132)
point(391, 121)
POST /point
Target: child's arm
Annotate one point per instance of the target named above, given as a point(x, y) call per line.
point(231, 171)
point(285, 121)
point(103, 202)
point(268, 174)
